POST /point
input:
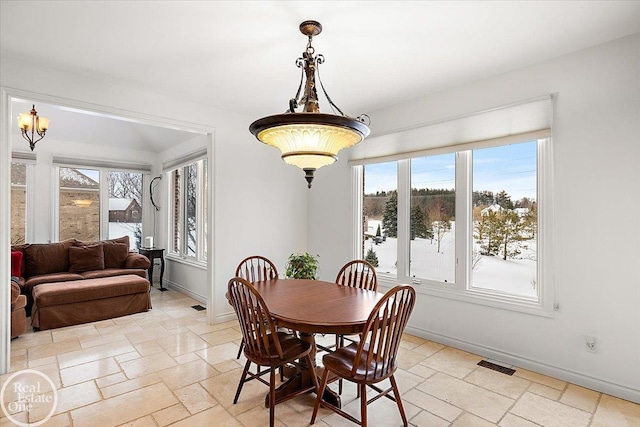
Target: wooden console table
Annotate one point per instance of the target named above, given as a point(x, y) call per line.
point(154, 253)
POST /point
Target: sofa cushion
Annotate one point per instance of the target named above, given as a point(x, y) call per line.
point(123, 239)
point(114, 254)
point(16, 263)
point(86, 258)
point(49, 278)
point(110, 272)
point(53, 294)
point(47, 258)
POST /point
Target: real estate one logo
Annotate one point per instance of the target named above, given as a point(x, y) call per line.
point(28, 398)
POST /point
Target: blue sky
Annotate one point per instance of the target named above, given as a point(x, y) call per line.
point(511, 168)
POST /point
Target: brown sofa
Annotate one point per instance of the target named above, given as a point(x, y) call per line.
point(68, 264)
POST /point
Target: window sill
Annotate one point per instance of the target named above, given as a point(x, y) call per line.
point(187, 261)
point(486, 298)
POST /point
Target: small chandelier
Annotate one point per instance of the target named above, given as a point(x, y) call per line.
point(310, 139)
point(31, 122)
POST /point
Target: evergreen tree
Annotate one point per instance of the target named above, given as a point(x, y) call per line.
point(378, 232)
point(418, 225)
point(504, 200)
point(371, 257)
point(390, 215)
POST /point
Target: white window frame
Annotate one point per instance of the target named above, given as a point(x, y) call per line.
point(200, 259)
point(461, 290)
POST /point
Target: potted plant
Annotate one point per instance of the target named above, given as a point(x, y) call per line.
point(302, 266)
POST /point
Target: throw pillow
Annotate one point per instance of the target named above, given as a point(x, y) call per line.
point(47, 258)
point(16, 263)
point(86, 258)
point(115, 254)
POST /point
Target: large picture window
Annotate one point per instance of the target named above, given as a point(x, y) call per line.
point(188, 214)
point(96, 203)
point(463, 224)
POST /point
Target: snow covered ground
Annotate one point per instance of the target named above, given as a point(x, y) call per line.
point(513, 276)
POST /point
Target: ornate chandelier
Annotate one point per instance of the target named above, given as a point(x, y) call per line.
point(310, 139)
point(31, 122)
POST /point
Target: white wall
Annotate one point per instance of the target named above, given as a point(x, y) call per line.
point(597, 256)
point(260, 203)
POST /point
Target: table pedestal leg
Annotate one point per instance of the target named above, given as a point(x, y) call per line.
point(298, 380)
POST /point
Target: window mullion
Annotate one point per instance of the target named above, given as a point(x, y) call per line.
point(404, 201)
point(464, 226)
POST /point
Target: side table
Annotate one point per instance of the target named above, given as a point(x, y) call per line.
point(154, 253)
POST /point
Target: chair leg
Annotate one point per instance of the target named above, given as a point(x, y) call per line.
point(363, 404)
point(240, 349)
point(396, 393)
point(323, 384)
point(272, 396)
point(244, 376)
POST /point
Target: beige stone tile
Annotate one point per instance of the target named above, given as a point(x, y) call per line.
point(408, 359)
point(382, 412)
point(178, 313)
point(129, 385)
point(182, 343)
point(87, 342)
point(186, 358)
point(581, 398)
point(148, 334)
point(120, 329)
point(230, 365)
point(616, 412)
point(43, 361)
point(88, 371)
point(31, 339)
point(125, 357)
point(427, 419)
point(170, 415)
point(203, 419)
point(189, 373)
point(146, 365)
point(468, 420)
point(545, 391)
point(471, 398)
point(259, 417)
point(53, 372)
point(148, 348)
point(222, 336)
point(428, 348)
point(111, 380)
point(147, 421)
point(182, 322)
point(91, 354)
point(454, 362)
point(78, 331)
point(78, 395)
point(549, 413)
point(60, 420)
point(431, 404)
point(219, 353)
point(204, 328)
point(506, 385)
point(223, 388)
point(511, 420)
point(18, 363)
point(53, 349)
point(541, 379)
point(125, 407)
point(195, 398)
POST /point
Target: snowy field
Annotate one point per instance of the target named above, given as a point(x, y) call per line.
point(513, 276)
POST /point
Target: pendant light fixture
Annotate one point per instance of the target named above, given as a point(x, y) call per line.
point(310, 139)
point(31, 122)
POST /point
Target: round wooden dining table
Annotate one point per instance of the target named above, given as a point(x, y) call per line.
point(314, 306)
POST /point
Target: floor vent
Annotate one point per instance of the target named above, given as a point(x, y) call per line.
point(198, 307)
point(496, 367)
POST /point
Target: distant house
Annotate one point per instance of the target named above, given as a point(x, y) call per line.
point(124, 210)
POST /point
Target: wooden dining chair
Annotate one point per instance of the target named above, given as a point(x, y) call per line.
point(255, 268)
point(374, 358)
point(264, 344)
point(356, 274)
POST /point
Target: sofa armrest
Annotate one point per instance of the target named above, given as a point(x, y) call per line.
point(15, 292)
point(135, 260)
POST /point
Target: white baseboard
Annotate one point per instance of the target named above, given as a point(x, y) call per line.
point(582, 380)
point(171, 285)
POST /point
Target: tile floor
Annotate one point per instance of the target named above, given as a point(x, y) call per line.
point(168, 367)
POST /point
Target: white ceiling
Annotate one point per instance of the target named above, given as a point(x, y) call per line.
point(240, 55)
